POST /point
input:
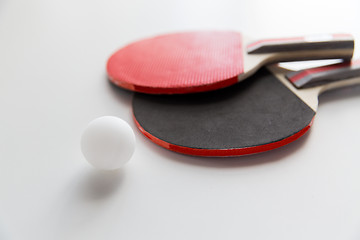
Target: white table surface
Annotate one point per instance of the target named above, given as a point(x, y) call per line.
point(53, 82)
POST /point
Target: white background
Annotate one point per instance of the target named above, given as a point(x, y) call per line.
point(53, 82)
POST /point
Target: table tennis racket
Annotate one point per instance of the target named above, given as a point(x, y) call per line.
point(261, 113)
point(202, 61)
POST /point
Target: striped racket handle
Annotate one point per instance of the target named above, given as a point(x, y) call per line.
point(296, 44)
point(323, 75)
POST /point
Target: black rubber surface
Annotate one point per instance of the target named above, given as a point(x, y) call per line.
point(257, 111)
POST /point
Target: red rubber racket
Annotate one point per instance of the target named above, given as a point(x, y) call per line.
point(203, 61)
point(262, 113)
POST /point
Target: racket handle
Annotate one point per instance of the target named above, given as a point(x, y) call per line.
point(306, 48)
point(324, 75)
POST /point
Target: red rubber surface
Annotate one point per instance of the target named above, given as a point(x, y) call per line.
point(178, 63)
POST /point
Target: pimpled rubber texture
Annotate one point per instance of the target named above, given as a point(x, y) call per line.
point(178, 63)
point(253, 113)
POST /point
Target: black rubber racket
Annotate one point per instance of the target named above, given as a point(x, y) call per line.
point(264, 112)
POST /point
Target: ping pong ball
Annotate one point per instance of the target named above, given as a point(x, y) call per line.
point(108, 143)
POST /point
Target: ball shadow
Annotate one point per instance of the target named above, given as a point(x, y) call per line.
point(97, 184)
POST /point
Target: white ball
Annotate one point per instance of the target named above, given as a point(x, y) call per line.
point(108, 143)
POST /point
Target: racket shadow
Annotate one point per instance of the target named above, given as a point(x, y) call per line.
point(339, 94)
point(120, 94)
point(279, 154)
